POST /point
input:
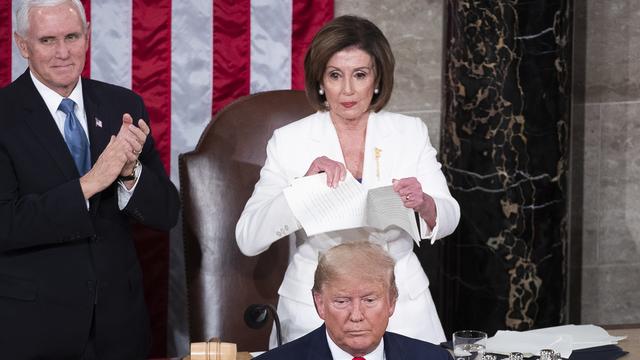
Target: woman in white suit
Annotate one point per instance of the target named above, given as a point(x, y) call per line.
point(349, 78)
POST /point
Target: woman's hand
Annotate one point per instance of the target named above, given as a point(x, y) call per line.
point(413, 197)
point(335, 171)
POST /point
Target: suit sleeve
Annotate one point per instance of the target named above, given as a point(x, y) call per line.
point(434, 184)
point(155, 201)
point(266, 216)
point(54, 216)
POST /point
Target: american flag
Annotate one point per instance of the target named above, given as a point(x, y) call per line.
point(188, 59)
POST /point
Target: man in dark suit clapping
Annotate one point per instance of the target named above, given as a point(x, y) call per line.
point(75, 170)
point(355, 294)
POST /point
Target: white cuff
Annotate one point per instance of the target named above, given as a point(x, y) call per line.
point(124, 194)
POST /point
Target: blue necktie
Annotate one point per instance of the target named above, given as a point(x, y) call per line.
point(75, 137)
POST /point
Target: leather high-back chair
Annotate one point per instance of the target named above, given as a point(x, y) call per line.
point(216, 180)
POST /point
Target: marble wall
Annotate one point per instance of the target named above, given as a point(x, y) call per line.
point(610, 100)
point(505, 153)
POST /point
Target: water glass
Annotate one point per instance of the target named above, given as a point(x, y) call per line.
point(469, 344)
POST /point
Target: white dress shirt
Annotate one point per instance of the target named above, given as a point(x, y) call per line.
point(52, 99)
point(339, 354)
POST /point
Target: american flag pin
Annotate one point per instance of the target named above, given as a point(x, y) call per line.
point(98, 123)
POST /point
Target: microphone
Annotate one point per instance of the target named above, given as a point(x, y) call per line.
point(256, 315)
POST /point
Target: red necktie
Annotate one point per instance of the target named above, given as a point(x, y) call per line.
point(359, 358)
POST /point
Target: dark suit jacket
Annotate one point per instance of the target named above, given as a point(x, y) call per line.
point(59, 261)
point(314, 346)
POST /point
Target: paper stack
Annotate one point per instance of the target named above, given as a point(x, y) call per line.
point(321, 209)
point(564, 339)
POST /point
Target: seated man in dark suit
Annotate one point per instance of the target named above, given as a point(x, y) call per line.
point(355, 294)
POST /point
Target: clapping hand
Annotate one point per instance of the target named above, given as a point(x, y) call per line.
point(117, 159)
point(132, 138)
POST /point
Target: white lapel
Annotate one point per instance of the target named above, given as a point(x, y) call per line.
point(380, 151)
point(380, 138)
point(325, 138)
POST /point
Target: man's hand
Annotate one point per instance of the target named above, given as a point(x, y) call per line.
point(106, 169)
point(133, 138)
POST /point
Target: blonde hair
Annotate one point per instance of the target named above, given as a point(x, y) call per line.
point(364, 260)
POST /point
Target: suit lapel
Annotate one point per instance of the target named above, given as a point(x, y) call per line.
point(39, 120)
point(392, 349)
point(99, 129)
point(319, 347)
point(324, 135)
point(379, 152)
point(379, 139)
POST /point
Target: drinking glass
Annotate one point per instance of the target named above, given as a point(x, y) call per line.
point(469, 344)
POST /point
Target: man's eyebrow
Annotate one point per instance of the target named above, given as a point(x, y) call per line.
point(340, 295)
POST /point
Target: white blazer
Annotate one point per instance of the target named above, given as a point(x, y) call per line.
point(404, 151)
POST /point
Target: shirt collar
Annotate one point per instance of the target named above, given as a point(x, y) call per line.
point(52, 99)
point(339, 354)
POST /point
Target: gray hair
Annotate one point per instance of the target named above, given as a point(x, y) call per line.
point(364, 260)
point(22, 12)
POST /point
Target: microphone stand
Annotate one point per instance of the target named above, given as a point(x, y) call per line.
point(256, 316)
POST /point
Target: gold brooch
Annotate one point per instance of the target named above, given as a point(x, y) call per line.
point(377, 153)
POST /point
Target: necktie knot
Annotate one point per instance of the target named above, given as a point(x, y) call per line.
point(359, 358)
point(66, 106)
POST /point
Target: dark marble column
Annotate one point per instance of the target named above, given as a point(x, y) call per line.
point(505, 154)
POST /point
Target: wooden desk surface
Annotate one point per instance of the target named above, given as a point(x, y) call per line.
point(631, 343)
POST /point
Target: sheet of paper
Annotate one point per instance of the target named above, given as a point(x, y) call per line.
point(584, 336)
point(320, 208)
point(505, 342)
point(564, 338)
point(385, 208)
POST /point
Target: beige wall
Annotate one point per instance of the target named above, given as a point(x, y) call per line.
point(414, 29)
point(611, 226)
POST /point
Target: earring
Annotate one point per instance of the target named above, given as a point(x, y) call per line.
point(321, 91)
point(376, 91)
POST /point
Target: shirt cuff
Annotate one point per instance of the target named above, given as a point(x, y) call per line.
point(124, 194)
point(426, 232)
